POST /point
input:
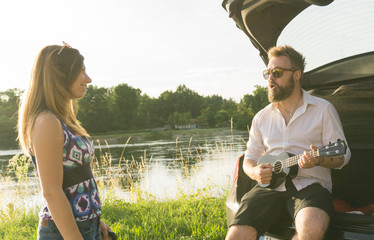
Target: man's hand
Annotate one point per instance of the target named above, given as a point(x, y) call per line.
point(262, 173)
point(104, 231)
point(307, 160)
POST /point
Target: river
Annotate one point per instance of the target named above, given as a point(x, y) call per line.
point(163, 168)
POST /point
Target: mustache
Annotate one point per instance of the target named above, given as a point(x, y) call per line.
point(272, 83)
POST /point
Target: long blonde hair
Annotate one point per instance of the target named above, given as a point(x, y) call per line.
point(55, 70)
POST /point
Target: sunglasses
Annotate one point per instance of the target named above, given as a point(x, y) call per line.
point(62, 48)
point(276, 72)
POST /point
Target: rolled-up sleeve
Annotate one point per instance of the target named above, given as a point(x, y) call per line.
point(333, 130)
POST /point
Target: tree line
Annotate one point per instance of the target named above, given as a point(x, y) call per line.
point(123, 108)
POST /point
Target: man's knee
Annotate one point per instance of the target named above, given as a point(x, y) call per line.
point(239, 232)
point(311, 223)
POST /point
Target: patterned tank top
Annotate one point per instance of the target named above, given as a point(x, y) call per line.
point(83, 197)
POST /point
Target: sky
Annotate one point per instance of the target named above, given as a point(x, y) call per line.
point(151, 45)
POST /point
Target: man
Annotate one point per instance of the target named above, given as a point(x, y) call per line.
point(293, 122)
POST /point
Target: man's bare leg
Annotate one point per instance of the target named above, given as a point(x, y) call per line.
point(311, 223)
point(241, 232)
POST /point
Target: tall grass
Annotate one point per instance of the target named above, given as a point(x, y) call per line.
point(18, 224)
point(183, 218)
point(130, 211)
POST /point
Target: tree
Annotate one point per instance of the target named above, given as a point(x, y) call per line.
point(228, 111)
point(181, 119)
point(8, 117)
point(230, 107)
point(124, 107)
point(125, 103)
point(95, 111)
point(207, 117)
point(183, 100)
point(249, 105)
point(148, 114)
point(214, 102)
point(186, 100)
point(221, 118)
point(165, 105)
point(258, 99)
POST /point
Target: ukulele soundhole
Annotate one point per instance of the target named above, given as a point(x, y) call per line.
point(278, 166)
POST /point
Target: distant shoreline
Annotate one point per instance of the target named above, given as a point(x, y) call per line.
point(146, 135)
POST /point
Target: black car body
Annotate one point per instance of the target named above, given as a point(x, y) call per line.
point(341, 71)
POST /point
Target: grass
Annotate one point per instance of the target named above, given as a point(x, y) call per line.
point(16, 224)
point(190, 217)
point(184, 218)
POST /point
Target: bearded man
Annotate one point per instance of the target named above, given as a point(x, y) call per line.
point(293, 122)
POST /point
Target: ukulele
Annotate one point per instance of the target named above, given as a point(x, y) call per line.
point(286, 165)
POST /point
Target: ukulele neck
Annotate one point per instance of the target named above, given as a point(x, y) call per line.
point(289, 162)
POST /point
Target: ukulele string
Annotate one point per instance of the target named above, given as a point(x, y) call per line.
point(295, 159)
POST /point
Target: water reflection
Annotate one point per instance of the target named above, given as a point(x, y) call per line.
point(214, 172)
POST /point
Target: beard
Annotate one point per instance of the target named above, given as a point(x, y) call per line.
point(278, 93)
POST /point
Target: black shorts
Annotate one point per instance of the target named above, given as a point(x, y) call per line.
point(261, 207)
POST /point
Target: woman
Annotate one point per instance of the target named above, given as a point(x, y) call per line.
point(58, 145)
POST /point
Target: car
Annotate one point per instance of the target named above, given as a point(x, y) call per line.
point(336, 38)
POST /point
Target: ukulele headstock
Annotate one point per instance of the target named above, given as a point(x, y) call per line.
point(332, 149)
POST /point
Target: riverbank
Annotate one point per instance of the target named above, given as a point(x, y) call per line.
point(188, 217)
point(156, 134)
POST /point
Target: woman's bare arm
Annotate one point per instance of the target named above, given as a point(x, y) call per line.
point(47, 144)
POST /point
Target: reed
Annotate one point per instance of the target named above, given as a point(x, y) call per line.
point(119, 180)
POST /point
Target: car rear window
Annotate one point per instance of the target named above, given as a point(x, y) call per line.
point(325, 34)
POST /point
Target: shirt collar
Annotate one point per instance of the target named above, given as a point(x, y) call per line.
point(308, 99)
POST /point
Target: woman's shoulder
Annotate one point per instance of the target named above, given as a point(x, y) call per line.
point(47, 118)
point(47, 122)
point(47, 132)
